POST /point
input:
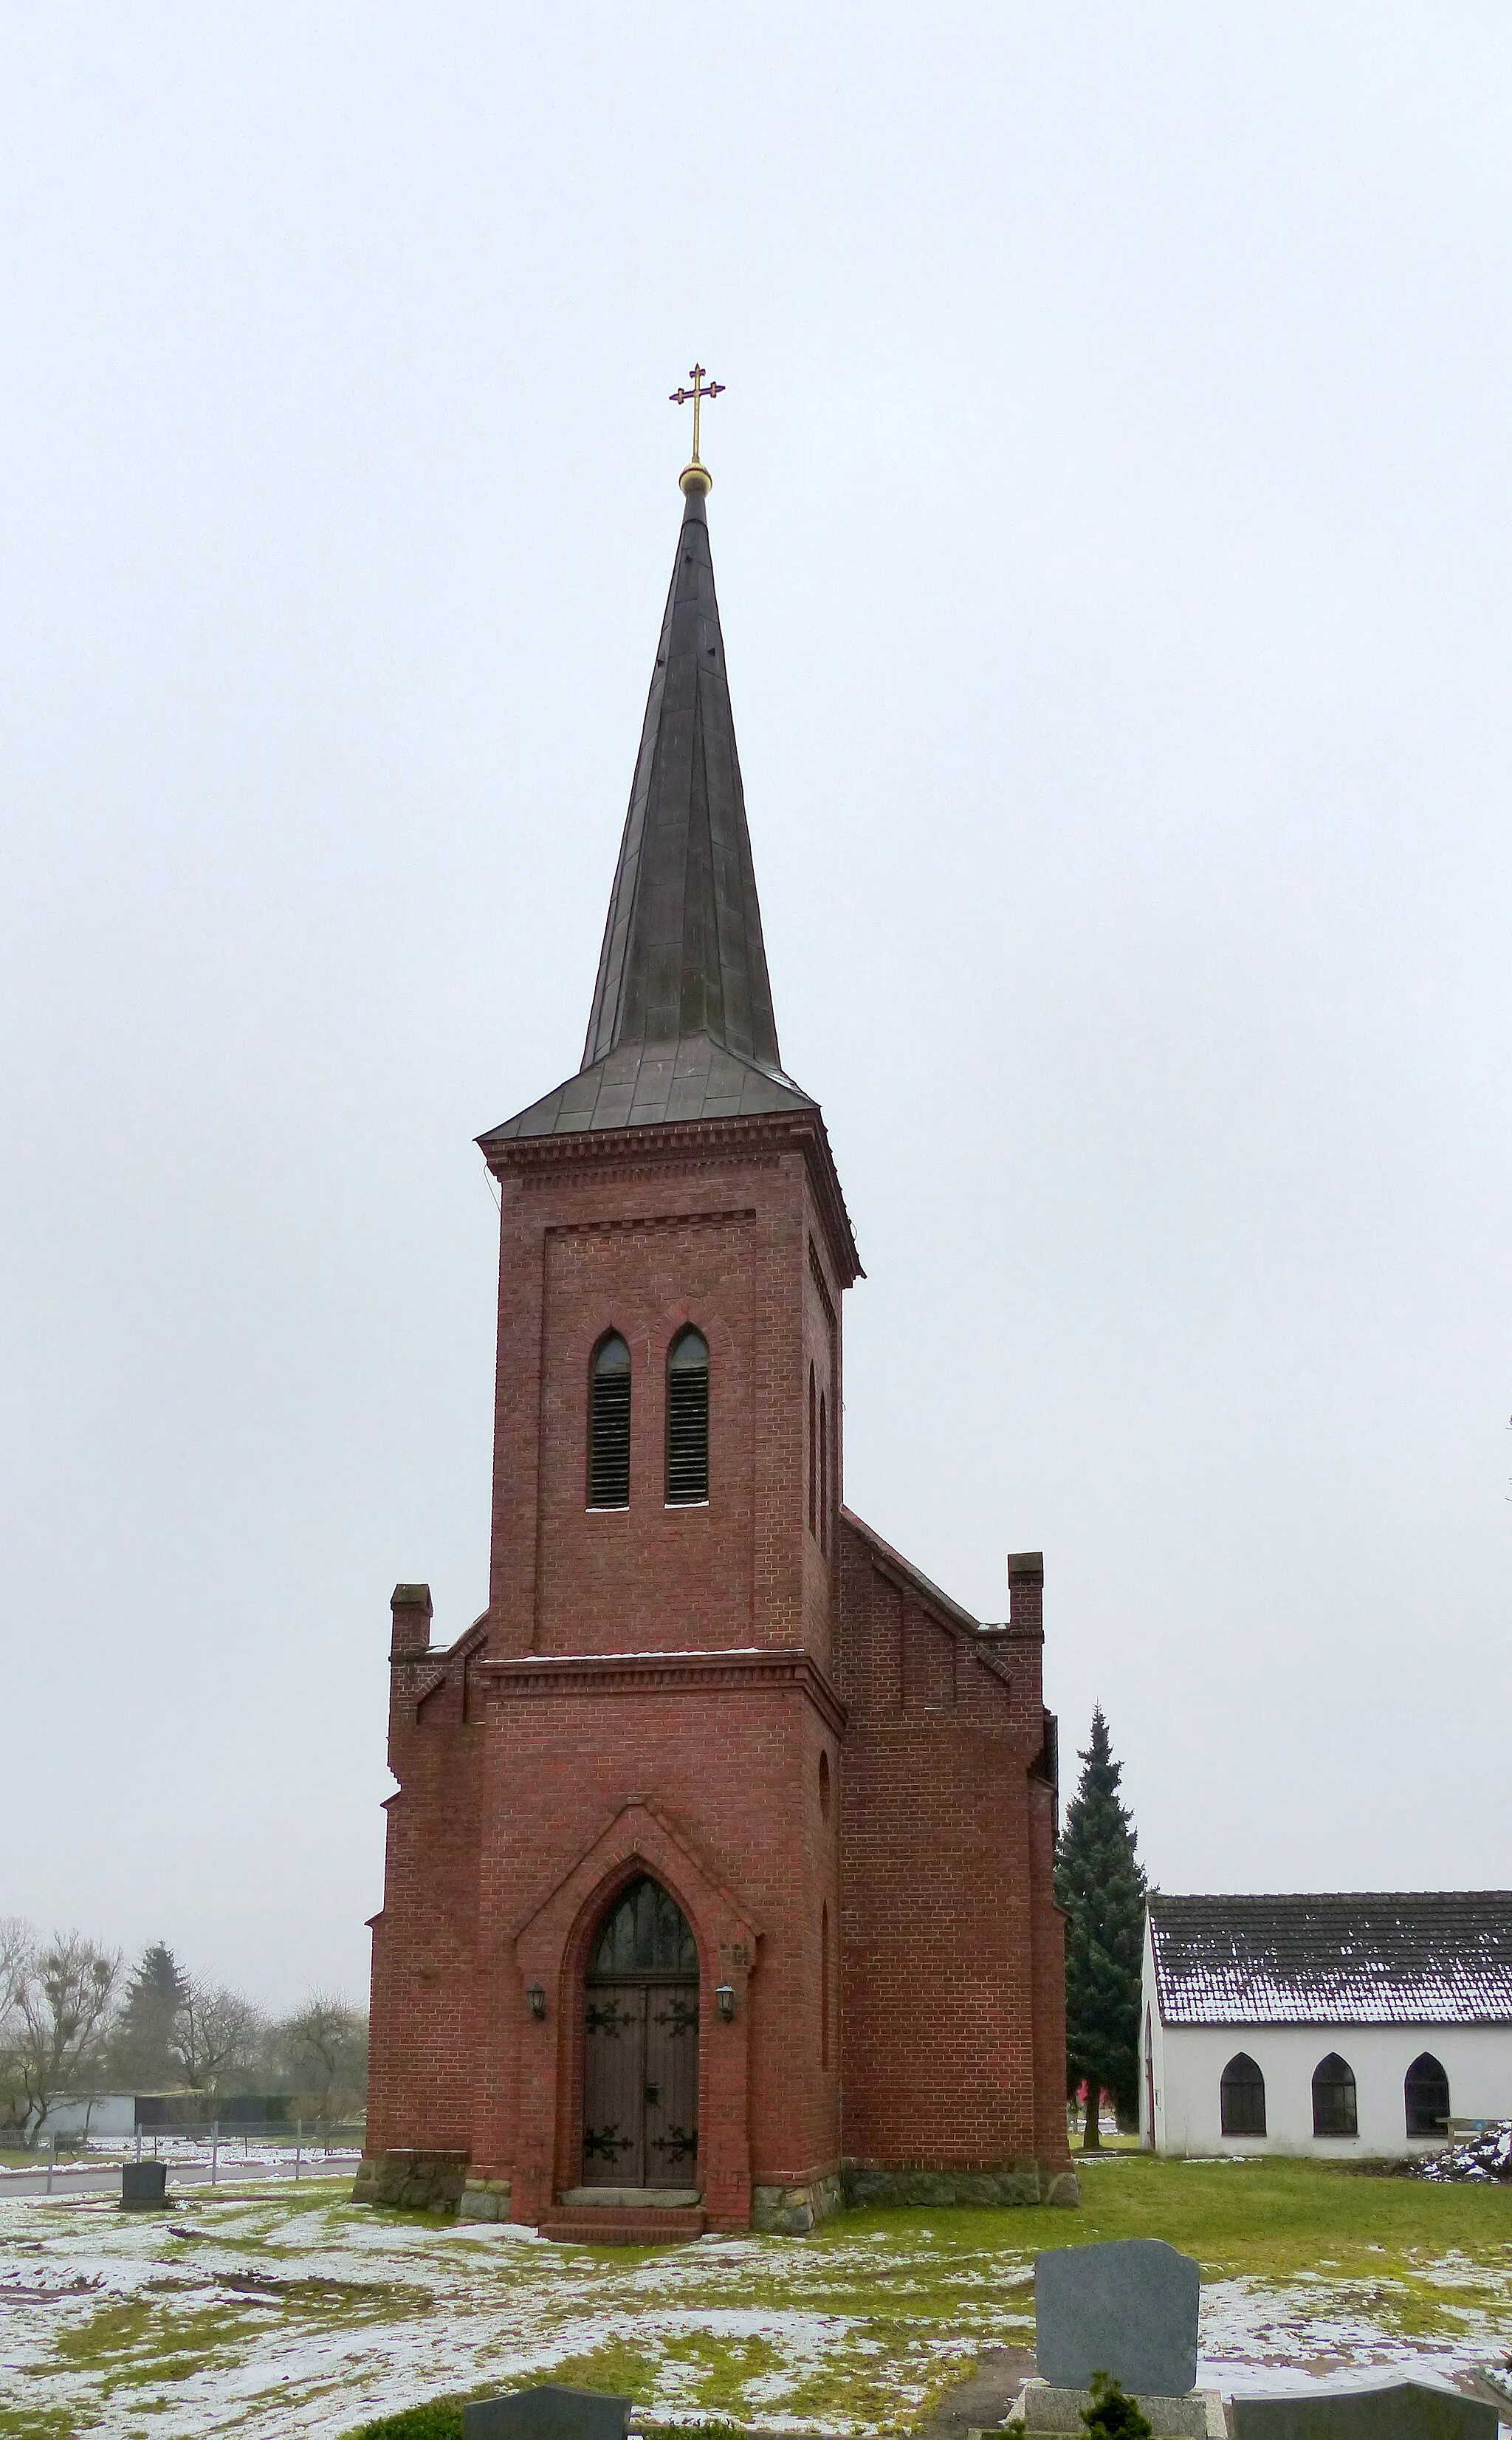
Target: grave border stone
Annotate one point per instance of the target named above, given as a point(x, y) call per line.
point(1396, 2410)
point(1038, 2407)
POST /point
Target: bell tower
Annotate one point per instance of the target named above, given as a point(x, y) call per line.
point(678, 1194)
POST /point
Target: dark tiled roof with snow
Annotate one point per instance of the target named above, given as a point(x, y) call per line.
point(1441, 1957)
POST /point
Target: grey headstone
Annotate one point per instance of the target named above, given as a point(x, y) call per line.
point(549, 2413)
point(144, 2185)
point(1128, 2308)
point(1404, 2410)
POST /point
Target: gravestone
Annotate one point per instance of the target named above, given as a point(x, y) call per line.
point(144, 2185)
point(1404, 2410)
point(1128, 2308)
point(549, 2413)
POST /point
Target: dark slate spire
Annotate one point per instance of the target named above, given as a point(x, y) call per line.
point(682, 1023)
point(683, 951)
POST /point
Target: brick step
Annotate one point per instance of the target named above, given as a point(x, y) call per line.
point(596, 2224)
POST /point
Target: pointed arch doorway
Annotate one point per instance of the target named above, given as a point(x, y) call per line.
point(641, 2044)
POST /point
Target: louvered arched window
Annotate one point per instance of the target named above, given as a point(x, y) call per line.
point(1427, 2096)
point(814, 1454)
point(1333, 2097)
point(1241, 2096)
point(687, 1419)
point(608, 1425)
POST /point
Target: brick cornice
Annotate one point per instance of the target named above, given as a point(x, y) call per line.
point(681, 1141)
point(711, 1218)
point(642, 1673)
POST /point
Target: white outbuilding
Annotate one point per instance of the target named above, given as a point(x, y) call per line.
point(1344, 2027)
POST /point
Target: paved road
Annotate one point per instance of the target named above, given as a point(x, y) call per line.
point(231, 2171)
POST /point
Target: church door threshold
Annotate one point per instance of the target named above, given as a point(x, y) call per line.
point(633, 2197)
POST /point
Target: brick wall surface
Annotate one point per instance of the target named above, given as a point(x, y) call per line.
point(951, 1956)
point(830, 1769)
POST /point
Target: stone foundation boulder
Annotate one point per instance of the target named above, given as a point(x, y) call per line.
point(1023, 2182)
point(413, 2180)
point(792, 2211)
point(485, 2198)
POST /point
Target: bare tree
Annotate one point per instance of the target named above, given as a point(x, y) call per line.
point(18, 1946)
point(216, 2033)
point(17, 1943)
point(61, 2013)
point(327, 2042)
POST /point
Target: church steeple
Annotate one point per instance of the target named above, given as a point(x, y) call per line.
point(682, 1025)
point(683, 951)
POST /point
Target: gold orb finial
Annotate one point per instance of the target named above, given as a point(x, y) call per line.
point(695, 476)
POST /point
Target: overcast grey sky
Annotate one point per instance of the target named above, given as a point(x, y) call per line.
point(1112, 524)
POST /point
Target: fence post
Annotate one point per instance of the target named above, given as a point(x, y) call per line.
point(215, 2146)
point(138, 2140)
point(300, 2136)
point(52, 2157)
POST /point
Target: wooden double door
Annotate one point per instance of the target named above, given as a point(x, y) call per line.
point(641, 2046)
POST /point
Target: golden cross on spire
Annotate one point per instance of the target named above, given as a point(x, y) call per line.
point(699, 391)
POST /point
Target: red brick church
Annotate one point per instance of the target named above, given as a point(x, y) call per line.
point(718, 1872)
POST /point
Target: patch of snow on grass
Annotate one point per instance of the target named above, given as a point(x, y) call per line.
point(850, 2335)
point(1254, 2336)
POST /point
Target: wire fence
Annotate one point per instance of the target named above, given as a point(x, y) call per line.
point(211, 2149)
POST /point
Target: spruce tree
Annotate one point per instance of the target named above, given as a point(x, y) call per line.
point(1101, 1885)
point(142, 2047)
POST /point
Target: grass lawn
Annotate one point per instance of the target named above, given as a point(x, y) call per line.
point(1271, 2219)
point(280, 2316)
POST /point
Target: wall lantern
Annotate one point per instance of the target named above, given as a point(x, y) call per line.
point(536, 2000)
point(724, 2002)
